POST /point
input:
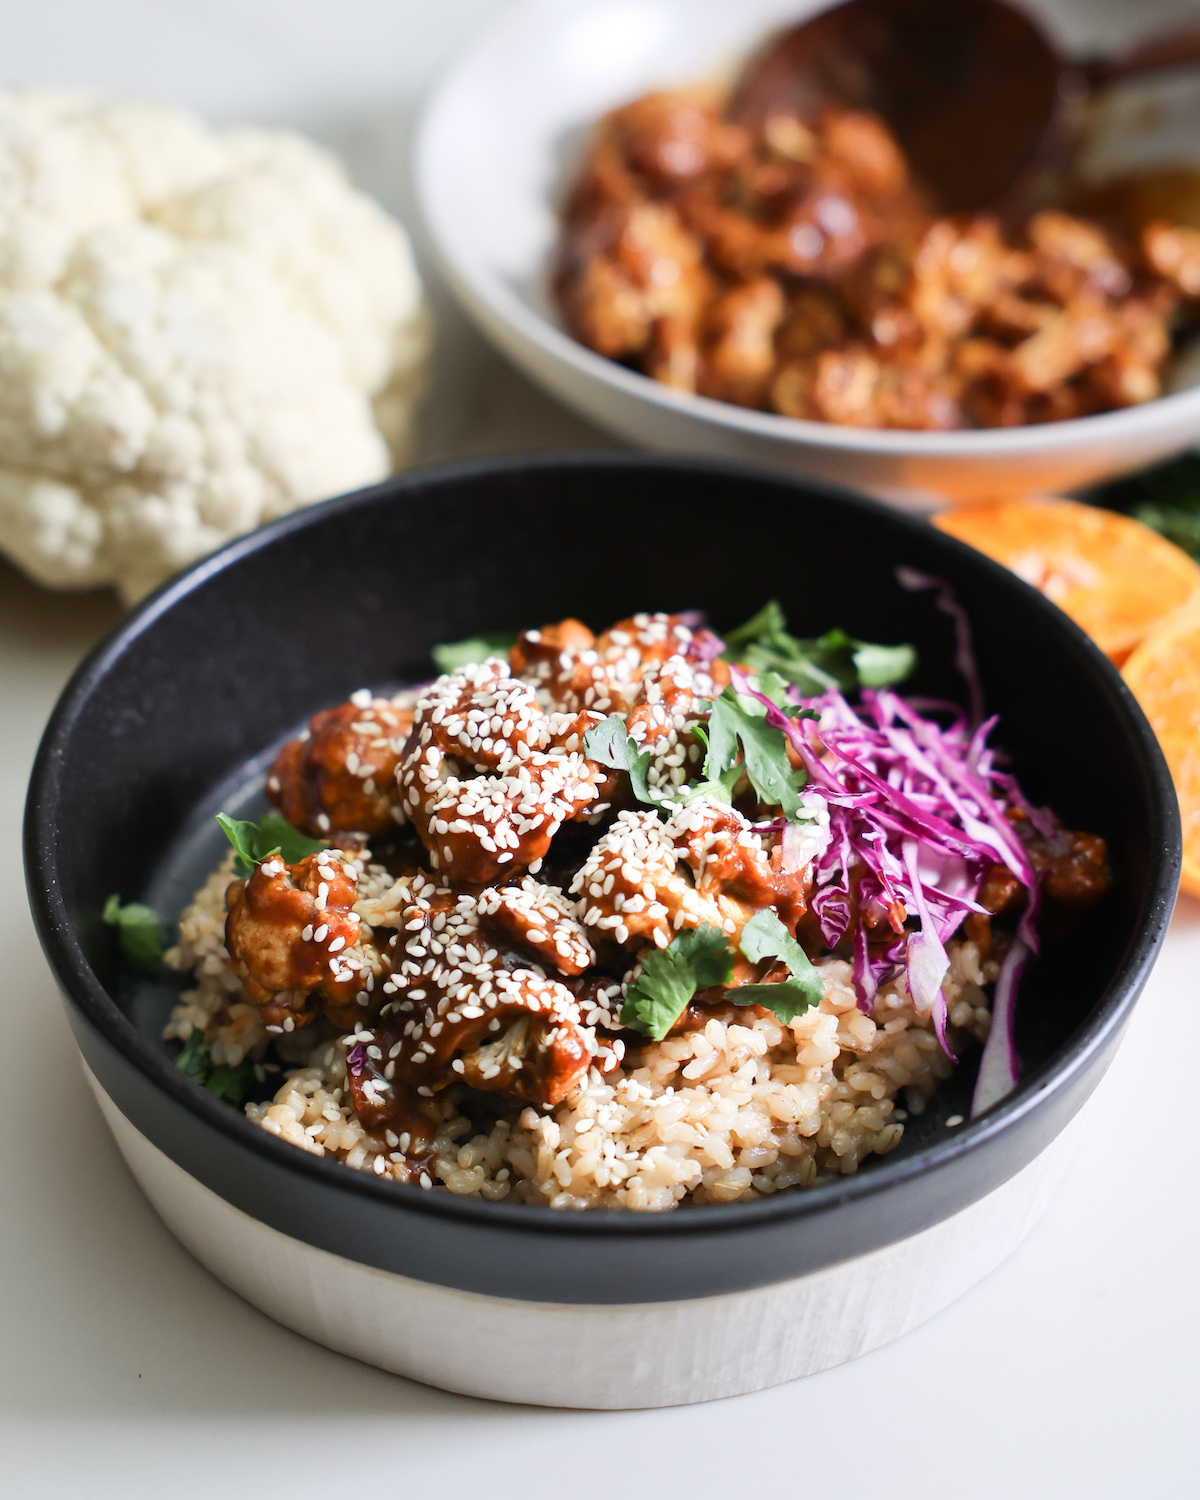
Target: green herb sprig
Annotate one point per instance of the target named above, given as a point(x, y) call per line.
point(139, 930)
point(765, 936)
point(737, 741)
point(738, 735)
point(195, 1059)
point(833, 660)
point(454, 654)
point(696, 959)
point(699, 958)
point(610, 744)
point(255, 842)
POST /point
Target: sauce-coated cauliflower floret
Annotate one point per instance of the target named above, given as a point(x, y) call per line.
point(558, 659)
point(632, 890)
point(647, 879)
point(666, 711)
point(730, 861)
point(463, 1006)
point(543, 919)
point(572, 669)
point(294, 937)
point(483, 781)
point(785, 259)
point(340, 774)
point(483, 717)
point(199, 330)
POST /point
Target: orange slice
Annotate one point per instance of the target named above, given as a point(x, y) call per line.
point(1113, 576)
point(1164, 676)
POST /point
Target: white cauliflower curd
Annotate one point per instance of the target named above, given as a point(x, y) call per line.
point(199, 329)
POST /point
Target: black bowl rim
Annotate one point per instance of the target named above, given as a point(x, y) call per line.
point(83, 989)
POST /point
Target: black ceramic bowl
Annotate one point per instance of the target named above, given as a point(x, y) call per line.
point(176, 713)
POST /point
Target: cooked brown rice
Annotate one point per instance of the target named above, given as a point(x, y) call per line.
point(728, 1111)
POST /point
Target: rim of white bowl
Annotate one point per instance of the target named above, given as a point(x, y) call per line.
point(490, 302)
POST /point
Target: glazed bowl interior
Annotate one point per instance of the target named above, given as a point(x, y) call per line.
point(176, 715)
point(504, 132)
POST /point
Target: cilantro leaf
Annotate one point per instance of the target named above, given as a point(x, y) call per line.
point(770, 621)
point(765, 936)
point(139, 930)
point(454, 654)
point(255, 842)
point(737, 720)
point(195, 1058)
point(231, 1083)
point(276, 832)
point(774, 687)
point(696, 959)
point(722, 787)
point(611, 744)
point(833, 660)
point(244, 836)
point(880, 666)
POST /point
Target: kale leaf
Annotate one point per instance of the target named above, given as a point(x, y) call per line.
point(833, 660)
point(696, 959)
point(765, 936)
point(255, 842)
point(454, 654)
point(139, 930)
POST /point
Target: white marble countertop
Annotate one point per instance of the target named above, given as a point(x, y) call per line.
point(128, 1371)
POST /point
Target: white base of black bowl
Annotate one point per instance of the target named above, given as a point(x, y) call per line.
point(612, 1357)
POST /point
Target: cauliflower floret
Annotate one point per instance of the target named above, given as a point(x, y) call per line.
point(199, 330)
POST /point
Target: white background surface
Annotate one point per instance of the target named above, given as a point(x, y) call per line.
point(127, 1371)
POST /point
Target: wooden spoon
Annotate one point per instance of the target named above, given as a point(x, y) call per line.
point(973, 89)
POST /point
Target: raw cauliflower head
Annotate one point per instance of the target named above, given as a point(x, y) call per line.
point(199, 330)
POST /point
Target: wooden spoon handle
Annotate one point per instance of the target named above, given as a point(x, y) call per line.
point(1176, 50)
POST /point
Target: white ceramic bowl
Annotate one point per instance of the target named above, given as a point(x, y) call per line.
point(501, 133)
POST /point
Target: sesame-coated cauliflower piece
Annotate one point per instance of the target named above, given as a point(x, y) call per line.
point(462, 1005)
point(339, 775)
point(572, 669)
point(295, 939)
point(631, 887)
point(543, 920)
point(199, 330)
point(645, 880)
point(487, 778)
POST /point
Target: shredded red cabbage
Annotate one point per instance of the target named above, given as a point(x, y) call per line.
point(705, 644)
point(918, 815)
point(356, 1060)
point(999, 1067)
point(964, 655)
